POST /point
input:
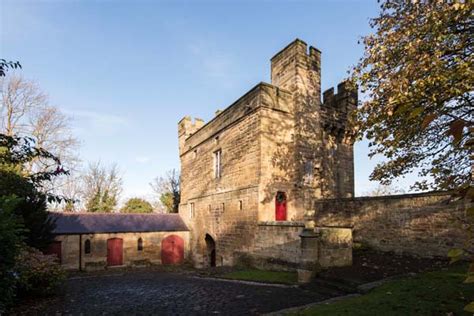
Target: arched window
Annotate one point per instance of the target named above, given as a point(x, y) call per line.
point(87, 246)
point(140, 244)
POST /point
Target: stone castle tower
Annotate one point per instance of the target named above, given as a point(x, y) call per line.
point(264, 159)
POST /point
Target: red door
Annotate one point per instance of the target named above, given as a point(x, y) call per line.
point(114, 252)
point(172, 250)
point(54, 249)
point(280, 206)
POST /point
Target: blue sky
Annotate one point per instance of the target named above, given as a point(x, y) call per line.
point(128, 71)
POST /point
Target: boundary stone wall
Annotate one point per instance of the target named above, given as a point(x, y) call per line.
point(425, 224)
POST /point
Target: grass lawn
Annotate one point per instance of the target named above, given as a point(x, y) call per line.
point(262, 276)
point(431, 293)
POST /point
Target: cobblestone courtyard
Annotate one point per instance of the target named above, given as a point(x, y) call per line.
point(167, 293)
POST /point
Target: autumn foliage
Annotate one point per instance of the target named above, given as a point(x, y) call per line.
point(417, 77)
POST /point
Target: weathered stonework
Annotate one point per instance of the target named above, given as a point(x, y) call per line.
point(278, 137)
point(426, 224)
point(73, 249)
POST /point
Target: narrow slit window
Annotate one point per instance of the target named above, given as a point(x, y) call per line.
point(87, 246)
point(308, 171)
point(191, 210)
point(140, 244)
point(217, 164)
point(240, 205)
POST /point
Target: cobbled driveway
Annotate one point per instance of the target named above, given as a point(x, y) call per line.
point(166, 293)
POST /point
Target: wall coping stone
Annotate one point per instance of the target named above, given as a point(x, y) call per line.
point(385, 197)
point(282, 223)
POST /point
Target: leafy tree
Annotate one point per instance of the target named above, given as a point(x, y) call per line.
point(101, 187)
point(137, 205)
point(15, 153)
point(167, 189)
point(418, 76)
point(5, 65)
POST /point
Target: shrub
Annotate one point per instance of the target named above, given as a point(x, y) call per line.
point(137, 205)
point(10, 241)
point(37, 274)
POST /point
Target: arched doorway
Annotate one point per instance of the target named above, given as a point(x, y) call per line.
point(280, 206)
point(211, 250)
point(114, 252)
point(172, 250)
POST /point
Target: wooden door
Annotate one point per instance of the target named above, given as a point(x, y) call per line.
point(54, 249)
point(280, 206)
point(115, 252)
point(172, 250)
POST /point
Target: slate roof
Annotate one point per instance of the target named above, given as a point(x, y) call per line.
point(87, 223)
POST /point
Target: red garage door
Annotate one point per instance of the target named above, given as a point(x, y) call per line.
point(172, 250)
point(54, 249)
point(114, 252)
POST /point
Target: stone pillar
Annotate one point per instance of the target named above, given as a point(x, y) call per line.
point(309, 257)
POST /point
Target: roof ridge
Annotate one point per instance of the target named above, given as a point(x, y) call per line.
point(113, 214)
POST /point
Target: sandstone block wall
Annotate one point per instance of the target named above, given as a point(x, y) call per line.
point(224, 208)
point(97, 259)
point(277, 245)
point(426, 224)
point(271, 140)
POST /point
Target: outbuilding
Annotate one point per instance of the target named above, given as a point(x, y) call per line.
point(90, 241)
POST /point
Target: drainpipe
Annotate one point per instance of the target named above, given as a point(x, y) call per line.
point(80, 252)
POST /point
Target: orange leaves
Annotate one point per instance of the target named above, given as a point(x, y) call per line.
point(455, 129)
point(427, 120)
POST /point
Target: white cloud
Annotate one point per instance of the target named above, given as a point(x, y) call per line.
point(86, 121)
point(142, 159)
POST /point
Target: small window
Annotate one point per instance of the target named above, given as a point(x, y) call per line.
point(87, 246)
point(191, 210)
point(217, 164)
point(140, 244)
point(308, 171)
point(223, 207)
point(240, 205)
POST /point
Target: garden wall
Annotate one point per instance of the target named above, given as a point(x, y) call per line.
point(426, 224)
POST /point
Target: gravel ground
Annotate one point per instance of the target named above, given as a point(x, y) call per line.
point(168, 293)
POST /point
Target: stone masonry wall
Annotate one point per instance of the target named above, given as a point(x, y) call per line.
point(97, 259)
point(425, 224)
point(277, 245)
point(224, 208)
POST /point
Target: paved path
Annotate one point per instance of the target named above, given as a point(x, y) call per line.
point(165, 293)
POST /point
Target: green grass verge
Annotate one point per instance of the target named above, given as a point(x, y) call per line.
point(262, 276)
point(432, 293)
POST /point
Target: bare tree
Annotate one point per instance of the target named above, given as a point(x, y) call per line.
point(101, 187)
point(167, 189)
point(19, 98)
point(384, 190)
point(25, 111)
point(70, 188)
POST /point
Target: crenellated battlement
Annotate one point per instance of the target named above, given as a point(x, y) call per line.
point(297, 68)
point(187, 127)
point(336, 108)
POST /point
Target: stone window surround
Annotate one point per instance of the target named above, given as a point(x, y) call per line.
point(217, 163)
